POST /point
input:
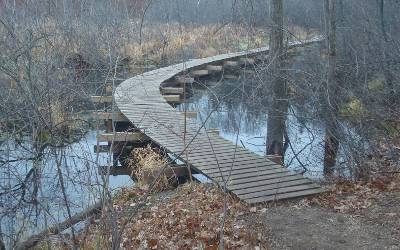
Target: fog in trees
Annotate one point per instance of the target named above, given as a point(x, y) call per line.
point(327, 110)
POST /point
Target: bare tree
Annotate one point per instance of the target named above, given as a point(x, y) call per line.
point(278, 110)
point(331, 94)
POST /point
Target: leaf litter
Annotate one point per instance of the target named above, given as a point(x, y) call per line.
point(191, 219)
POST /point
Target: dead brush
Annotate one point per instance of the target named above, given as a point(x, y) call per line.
point(146, 164)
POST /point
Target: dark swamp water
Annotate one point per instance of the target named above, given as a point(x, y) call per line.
point(239, 103)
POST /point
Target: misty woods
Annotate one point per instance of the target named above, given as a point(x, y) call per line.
point(56, 54)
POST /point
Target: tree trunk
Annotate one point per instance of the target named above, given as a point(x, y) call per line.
point(277, 113)
point(332, 91)
point(384, 43)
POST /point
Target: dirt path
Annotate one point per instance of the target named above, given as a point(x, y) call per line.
point(299, 226)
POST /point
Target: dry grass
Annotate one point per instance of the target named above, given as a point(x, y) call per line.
point(146, 164)
point(168, 43)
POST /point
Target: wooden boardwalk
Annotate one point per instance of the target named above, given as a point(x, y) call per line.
point(249, 176)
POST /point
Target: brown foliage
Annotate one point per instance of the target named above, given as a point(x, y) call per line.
point(191, 218)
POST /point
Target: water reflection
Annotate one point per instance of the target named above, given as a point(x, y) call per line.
point(240, 113)
point(82, 182)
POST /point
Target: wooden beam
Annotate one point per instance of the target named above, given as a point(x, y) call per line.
point(214, 68)
point(102, 99)
point(247, 60)
point(199, 73)
point(122, 137)
point(184, 80)
point(117, 117)
point(171, 90)
point(173, 98)
point(106, 148)
point(231, 64)
point(213, 131)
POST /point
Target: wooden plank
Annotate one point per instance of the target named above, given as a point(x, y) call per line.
point(219, 149)
point(239, 168)
point(203, 152)
point(249, 176)
point(213, 131)
point(202, 149)
point(199, 73)
point(171, 90)
point(199, 143)
point(117, 117)
point(228, 171)
point(230, 63)
point(102, 99)
point(247, 60)
point(224, 157)
point(213, 167)
point(256, 180)
point(214, 68)
point(122, 137)
point(184, 80)
point(236, 166)
point(283, 196)
point(106, 148)
point(221, 152)
point(173, 98)
point(275, 191)
point(272, 184)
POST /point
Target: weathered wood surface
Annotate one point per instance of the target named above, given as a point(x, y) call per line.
point(214, 68)
point(251, 177)
point(117, 116)
point(101, 99)
point(122, 137)
point(171, 90)
point(199, 73)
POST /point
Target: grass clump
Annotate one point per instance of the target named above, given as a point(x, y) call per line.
point(147, 167)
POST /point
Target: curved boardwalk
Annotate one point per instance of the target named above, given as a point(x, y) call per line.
point(251, 177)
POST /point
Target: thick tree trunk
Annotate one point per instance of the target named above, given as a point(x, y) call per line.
point(278, 110)
point(332, 89)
